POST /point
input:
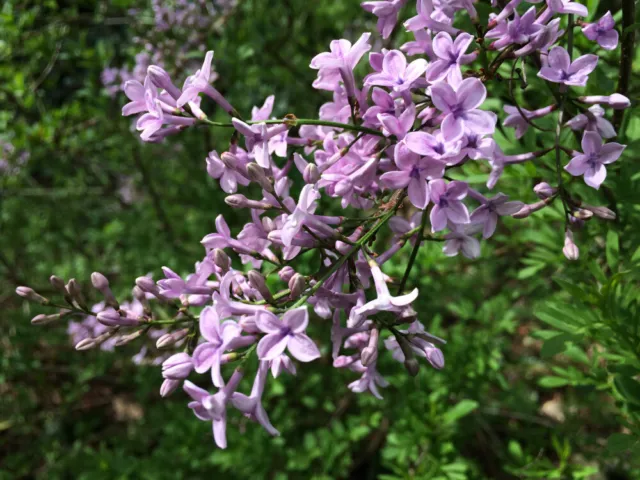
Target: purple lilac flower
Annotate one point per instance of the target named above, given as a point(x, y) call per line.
point(396, 74)
point(286, 333)
point(461, 108)
point(420, 346)
point(450, 56)
point(229, 178)
point(487, 213)
point(424, 19)
point(413, 173)
point(435, 146)
point(603, 32)
point(339, 64)
point(448, 206)
point(218, 337)
point(387, 13)
point(251, 405)
point(593, 121)
point(213, 408)
point(460, 239)
point(383, 302)
point(560, 68)
point(422, 45)
point(591, 163)
point(516, 31)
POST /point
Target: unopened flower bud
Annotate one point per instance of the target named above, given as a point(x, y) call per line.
point(240, 201)
point(100, 283)
point(31, 295)
point(435, 357)
point(257, 281)
point(570, 249)
point(311, 173)
point(169, 339)
point(168, 387)
point(177, 367)
point(86, 344)
point(57, 283)
point(296, 284)
point(147, 285)
point(161, 79)
point(615, 101)
point(543, 190)
point(370, 352)
point(111, 318)
point(230, 161)
point(286, 273)
point(221, 259)
point(44, 319)
point(527, 210)
point(256, 174)
point(76, 293)
point(600, 212)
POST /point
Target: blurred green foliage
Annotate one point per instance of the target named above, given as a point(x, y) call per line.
point(543, 355)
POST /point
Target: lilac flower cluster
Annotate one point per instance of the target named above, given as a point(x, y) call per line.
point(396, 138)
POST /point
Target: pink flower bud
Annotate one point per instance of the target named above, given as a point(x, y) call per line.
point(177, 367)
point(221, 259)
point(435, 357)
point(57, 283)
point(160, 78)
point(44, 319)
point(100, 283)
point(240, 201)
point(615, 101)
point(311, 173)
point(570, 249)
point(31, 295)
point(168, 387)
point(112, 318)
point(543, 190)
point(296, 284)
point(257, 175)
point(286, 273)
point(76, 293)
point(170, 339)
point(257, 281)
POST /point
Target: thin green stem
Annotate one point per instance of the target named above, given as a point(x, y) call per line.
point(414, 253)
point(295, 122)
point(364, 239)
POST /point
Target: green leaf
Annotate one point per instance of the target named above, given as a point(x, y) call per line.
point(619, 442)
point(613, 249)
point(463, 408)
point(628, 388)
point(555, 345)
point(552, 382)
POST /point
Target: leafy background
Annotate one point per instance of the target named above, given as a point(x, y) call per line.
point(543, 355)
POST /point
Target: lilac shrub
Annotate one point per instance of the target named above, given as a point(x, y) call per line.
point(399, 136)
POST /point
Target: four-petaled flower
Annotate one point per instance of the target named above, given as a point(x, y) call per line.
point(286, 333)
point(460, 107)
point(560, 68)
point(218, 337)
point(450, 55)
point(447, 200)
point(603, 32)
point(396, 74)
point(591, 163)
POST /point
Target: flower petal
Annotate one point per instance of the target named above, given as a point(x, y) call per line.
point(302, 348)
